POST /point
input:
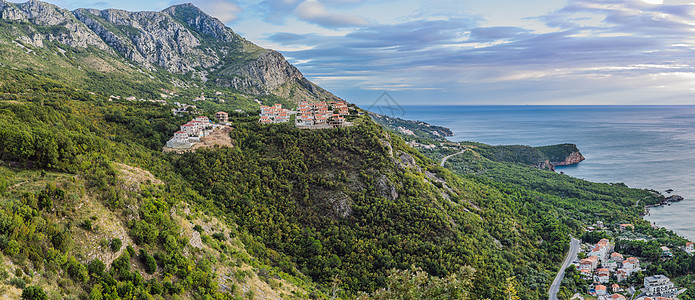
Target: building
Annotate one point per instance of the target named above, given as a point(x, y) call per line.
point(631, 264)
point(610, 265)
point(659, 286)
point(689, 247)
point(621, 275)
point(617, 297)
point(666, 251)
point(274, 114)
point(615, 288)
point(180, 140)
point(588, 263)
point(265, 120)
point(626, 226)
point(222, 117)
point(601, 290)
point(202, 119)
point(189, 129)
point(617, 257)
point(602, 275)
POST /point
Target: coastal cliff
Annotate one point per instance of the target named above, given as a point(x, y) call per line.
point(573, 158)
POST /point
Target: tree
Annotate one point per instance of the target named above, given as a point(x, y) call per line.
point(116, 244)
point(34, 293)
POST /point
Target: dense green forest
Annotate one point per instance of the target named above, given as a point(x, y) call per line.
point(302, 213)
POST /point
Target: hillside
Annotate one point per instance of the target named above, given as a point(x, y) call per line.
point(115, 52)
point(92, 208)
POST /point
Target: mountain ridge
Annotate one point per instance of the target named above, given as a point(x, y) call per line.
point(180, 42)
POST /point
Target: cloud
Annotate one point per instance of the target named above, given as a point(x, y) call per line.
point(225, 10)
point(277, 10)
point(315, 12)
point(597, 50)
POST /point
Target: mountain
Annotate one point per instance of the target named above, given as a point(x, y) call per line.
point(180, 46)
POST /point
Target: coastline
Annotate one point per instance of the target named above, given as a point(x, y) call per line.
point(645, 147)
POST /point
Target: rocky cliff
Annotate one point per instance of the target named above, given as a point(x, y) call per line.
point(180, 40)
point(573, 158)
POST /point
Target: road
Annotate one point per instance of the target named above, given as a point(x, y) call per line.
point(447, 157)
point(571, 256)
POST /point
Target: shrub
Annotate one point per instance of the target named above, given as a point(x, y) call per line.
point(116, 244)
point(34, 293)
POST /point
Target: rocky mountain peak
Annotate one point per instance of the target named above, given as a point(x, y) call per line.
point(202, 22)
point(181, 39)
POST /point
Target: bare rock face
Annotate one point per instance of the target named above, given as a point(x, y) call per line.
point(386, 189)
point(62, 26)
point(573, 158)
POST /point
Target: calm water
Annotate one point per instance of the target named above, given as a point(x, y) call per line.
point(642, 146)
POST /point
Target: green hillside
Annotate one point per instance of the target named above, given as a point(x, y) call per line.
point(329, 209)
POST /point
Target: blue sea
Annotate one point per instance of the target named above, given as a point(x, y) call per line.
point(641, 146)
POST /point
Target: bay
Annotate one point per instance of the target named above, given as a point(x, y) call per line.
point(641, 146)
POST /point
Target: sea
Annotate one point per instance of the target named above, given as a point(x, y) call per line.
point(641, 146)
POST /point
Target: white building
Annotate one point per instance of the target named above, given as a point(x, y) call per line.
point(180, 140)
point(659, 286)
point(689, 247)
point(631, 264)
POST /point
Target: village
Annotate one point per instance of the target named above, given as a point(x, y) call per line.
point(198, 129)
point(613, 275)
point(319, 115)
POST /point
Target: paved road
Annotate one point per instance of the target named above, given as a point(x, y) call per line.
point(447, 157)
point(571, 256)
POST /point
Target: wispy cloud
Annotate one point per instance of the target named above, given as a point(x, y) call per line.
point(632, 43)
point(315, 12)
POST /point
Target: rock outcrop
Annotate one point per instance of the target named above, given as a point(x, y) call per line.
point(574, 158)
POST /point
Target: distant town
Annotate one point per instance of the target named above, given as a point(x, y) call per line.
point(318, 115)
point(613, 275)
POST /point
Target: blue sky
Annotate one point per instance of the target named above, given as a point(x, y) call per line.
point(473, 52)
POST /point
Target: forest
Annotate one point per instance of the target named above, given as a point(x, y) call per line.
point(349, 212)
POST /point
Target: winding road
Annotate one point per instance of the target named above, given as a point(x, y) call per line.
point(448, 156)
point(571, 256)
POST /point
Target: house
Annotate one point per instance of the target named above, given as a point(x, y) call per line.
point(616, 288)
point(665, 251)
point(631, 264)
point(659, 286)
point(180, 140)
point(586, 273)
point(610, 265)
point(621, 275)
point(626, 226)
point(589, 263)
point(202, 119)
point(265, 120)
point(617, 297)
point(602, 275)
point(617, 257)
point(189, 129)
point(601, 290)
point(222, 117)
point(689, 247)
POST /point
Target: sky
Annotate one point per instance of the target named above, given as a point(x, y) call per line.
point(449, 52)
